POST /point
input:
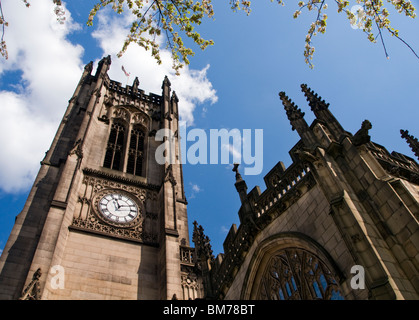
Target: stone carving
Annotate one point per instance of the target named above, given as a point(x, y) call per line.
point(121, 113)
point(169, 175)
point(32, 290)
point(77, 149)
point(108, 101)
point(139, 118)
point(306, 156)
point(362, 137)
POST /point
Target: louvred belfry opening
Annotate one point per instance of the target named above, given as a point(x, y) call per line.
point(135, 152)
point(115, 147)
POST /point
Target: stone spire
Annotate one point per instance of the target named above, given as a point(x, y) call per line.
point(412, 141)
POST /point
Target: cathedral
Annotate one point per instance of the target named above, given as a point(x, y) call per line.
point(105, 220)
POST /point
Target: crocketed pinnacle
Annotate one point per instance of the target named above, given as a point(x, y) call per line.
point(202, 243)
point(315, 102)
point(412, 141)
point(293, 112)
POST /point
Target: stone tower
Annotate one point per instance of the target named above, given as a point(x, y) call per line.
point(341, 222)
point(103, 219)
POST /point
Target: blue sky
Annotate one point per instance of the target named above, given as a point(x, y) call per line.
point(233, 84)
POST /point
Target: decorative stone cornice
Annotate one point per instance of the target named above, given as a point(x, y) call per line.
point(106, 175)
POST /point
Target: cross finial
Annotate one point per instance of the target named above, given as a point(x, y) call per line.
point(236, 170)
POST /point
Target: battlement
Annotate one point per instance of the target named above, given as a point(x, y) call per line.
point(136, 94)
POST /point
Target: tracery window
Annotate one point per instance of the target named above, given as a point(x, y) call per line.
point(297, 274)
point(114, 150)
point(135, 152)
point(125, 149)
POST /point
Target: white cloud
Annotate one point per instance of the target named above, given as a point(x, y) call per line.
point(196, 188)
point(224, 229)
point(23, 134)
point(192, 86)
point(50, 67)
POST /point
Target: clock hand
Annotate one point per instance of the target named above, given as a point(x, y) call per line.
point(115, 204)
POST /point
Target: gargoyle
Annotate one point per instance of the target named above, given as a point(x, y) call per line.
point(362, 137)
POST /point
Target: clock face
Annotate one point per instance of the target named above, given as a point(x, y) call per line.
point(118, 207)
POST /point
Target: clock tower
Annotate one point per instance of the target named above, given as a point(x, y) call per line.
point(105, 220)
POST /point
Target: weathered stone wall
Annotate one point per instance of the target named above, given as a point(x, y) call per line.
point(99, 268)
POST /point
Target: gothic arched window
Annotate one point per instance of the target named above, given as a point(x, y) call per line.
point(115, 147)
point(135, 152)
point(297, 274)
